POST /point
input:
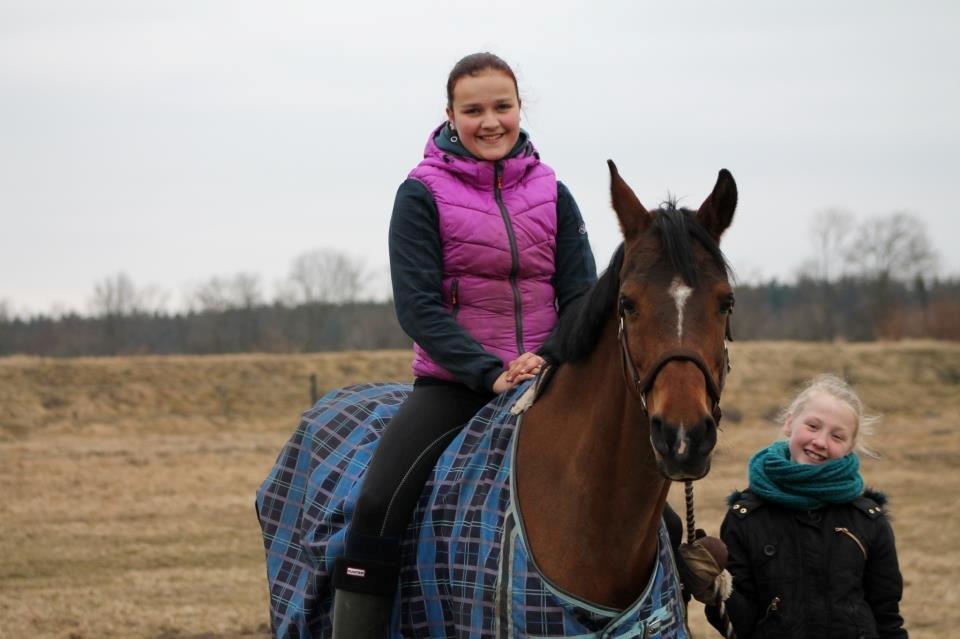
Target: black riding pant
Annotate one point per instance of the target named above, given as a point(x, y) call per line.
point(433, 414)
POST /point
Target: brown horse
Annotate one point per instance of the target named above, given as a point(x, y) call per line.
point(635, 404)
point(545, 524)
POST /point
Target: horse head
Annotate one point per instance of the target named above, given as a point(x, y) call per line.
point(674, 307)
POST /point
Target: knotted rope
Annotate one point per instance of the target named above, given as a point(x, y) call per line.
point(726, 627)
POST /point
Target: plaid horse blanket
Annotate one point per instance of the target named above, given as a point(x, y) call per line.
point(467, 572)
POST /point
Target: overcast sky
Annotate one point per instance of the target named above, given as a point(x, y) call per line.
point(179, 140)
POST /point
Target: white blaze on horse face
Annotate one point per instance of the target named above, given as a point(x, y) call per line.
point(681, 440)
point(679, 292)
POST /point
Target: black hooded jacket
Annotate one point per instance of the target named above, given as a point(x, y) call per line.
point(829, 573)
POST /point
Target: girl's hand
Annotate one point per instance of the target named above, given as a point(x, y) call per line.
point(519, 370)
point(502, 384)
point(524, 367)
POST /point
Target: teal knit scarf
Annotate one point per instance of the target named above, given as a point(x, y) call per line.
point(775, 477)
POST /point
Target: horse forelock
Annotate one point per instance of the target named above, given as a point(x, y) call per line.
point(678, 231)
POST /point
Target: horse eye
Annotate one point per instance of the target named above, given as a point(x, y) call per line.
point(627, 306)
point(726, 305)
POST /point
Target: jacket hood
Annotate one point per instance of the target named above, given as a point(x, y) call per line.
point(876, 495)
point(734, 497)
point(446, 140)
point(444, 153)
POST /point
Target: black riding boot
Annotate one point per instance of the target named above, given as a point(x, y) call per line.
point(357, 615)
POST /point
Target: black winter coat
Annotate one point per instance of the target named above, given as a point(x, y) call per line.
point(829, 573)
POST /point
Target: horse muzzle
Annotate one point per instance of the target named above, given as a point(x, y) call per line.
point(683, 451)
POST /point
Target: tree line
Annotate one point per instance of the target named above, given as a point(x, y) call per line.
point(318, 307)
point(875, 279)
point(269, 329)
point(866, 281)
point(849, 309)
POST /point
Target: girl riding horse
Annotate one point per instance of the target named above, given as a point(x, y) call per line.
point(541, 518)
point(486, 247)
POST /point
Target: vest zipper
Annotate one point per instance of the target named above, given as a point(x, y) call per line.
point(514, 255)
point(849, 534)
point(455, 297)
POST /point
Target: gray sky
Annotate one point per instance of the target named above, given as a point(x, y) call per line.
point(176, 141)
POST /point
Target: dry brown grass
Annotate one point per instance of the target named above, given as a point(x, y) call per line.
point(127, 484)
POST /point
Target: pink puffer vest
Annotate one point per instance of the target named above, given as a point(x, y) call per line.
point(498, 230)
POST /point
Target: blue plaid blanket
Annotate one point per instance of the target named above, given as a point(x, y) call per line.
point(466, 570)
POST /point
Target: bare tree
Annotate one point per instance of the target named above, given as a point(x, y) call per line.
point(327, 276)
point(830, 232)
point(893, 247)
point(116, 296)
point(318, 280)
point(6, 312)
point(239, 291)
point(246, 291)
point(121, 305)
point(210, 295)
point(888, 252)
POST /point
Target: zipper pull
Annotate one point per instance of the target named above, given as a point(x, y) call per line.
point(772, 607)
point(500, 182)
point(846, 531)
point(498, 176)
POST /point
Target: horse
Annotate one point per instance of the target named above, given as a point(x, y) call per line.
point(543, 518)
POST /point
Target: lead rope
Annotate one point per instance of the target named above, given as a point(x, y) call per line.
point(726, 627)
point(688, 497)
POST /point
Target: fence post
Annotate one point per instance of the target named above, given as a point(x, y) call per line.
point(313, 389)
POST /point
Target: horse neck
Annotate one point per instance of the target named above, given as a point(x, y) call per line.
point(586, 478)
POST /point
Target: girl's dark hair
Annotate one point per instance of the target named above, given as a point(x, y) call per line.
point(474, 64)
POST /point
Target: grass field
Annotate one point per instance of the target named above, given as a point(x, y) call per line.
point(126, 484)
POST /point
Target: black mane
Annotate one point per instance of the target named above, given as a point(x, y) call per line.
point(580, 326)
point(676, 228)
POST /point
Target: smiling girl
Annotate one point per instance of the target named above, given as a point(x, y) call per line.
point(811, 552)
point(487, 249)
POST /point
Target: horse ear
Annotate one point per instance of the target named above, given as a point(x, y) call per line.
point(634, 219)
point(716, 212)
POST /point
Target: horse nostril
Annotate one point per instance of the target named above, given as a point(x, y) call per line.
point(709, 423)
point(709, 439)
point(660, 436)
point(656, 425)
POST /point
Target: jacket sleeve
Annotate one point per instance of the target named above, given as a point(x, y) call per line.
point(416, 271)
point(742, 606)
point(675, 531)
point(576, 268)
point(883, 583)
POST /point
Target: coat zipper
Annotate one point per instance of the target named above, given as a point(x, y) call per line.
point(514, 255)
point(849, 534)
point(455, 297)
point(772, 607)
